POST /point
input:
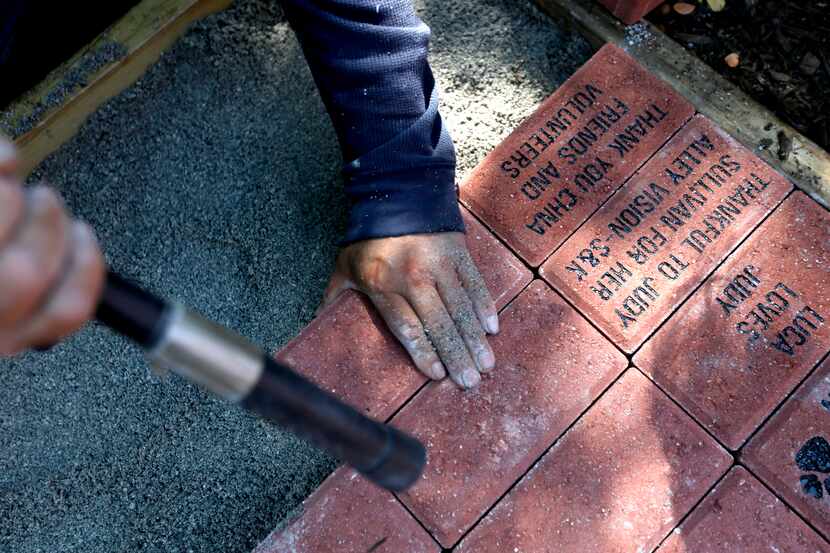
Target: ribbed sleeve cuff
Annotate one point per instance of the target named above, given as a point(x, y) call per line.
point(417, 201)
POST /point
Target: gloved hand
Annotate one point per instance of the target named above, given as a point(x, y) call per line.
point(51, 269)
point(428, 290)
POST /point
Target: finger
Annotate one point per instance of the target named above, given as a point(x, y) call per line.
point(476, 288)
point(31, 264)
point(73, 302)
point(460, 308)
point(12, 209)
point(336, 285)
point(8, 158)
point(441, 331)
point(407, 328)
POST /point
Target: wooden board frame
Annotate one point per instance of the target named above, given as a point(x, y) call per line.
point(791, 153)
point(145, 32)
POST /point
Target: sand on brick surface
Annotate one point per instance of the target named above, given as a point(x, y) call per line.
point(214, 180)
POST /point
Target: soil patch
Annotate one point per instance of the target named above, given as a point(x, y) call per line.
point(783, 51)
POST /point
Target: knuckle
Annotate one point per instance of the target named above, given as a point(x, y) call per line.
point(373, 275)
point(410, 333)
point(69, 314)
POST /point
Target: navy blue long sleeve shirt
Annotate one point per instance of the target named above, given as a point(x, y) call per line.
point(369, 60)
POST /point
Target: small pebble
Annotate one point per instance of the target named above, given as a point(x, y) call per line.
point(732, 60)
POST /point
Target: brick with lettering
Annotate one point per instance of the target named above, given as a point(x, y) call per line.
point(349, 351)
point(658, 237)
point(741, 516)
point(630, 11)
point(580, 145)
point(754, 329)
point(347, 513)
point(791, 453)
point(619, 480)
point(551, 364)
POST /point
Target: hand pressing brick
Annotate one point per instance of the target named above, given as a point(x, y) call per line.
point(551, 365)
point(741, 516)
point(348, 350)
point(644, 251)
point(618, 481)
point(348, 514)
point(579, 146)
point(791, 453)
point(754, 329)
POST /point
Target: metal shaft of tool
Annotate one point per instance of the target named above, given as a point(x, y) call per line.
point(178, 339)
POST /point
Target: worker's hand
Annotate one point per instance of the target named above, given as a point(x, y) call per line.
point(428, 290)
point(51, 270)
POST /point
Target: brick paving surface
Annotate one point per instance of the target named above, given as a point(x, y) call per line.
point(791, 452)
point(552, 365)
point(755, 329)
point(652, 243)
point(619, 480)
point(350, 515)
point(704, 259)
point(557, 167)
point(741, 516)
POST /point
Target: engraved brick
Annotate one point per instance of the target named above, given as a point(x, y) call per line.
point(630, 11)
point(347, 513)
point(580, 145)
point(754, 329)
point(551, 364)
point(741, 516)
point(619, 480)
point(349, 351)
point(504, 273)
point(802, 425)
point(660, 235)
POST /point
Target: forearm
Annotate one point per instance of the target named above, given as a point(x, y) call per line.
point(369, 60)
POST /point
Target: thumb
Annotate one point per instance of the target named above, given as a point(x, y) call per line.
point(337, 284)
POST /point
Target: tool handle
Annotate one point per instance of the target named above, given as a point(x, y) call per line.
point(225, 363)
point(380, 452)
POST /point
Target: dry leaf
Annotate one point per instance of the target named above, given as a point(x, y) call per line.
point(732, 60)
point(684, 8)
point(716, 5)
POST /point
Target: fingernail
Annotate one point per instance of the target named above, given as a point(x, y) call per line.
point(437, 371)
point(470, 378)
point(492, 324)
point(486, 360)
point(7, 154)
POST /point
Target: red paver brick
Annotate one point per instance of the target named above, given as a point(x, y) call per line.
point(551, 365)
point(754, 329)
point(629, 11)
point(348, 350)
point(741, 516)
point(503, 272)
point(618, 481)
point(580, 145)
point(656, 239)
point(348, 514)
point(802, 423)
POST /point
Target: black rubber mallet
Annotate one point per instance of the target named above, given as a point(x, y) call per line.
point(178, 339)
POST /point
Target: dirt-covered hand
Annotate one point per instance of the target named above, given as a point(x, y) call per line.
point(428, 290)
point(51, 269)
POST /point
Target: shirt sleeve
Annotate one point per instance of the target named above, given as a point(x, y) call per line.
point(369, 60)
